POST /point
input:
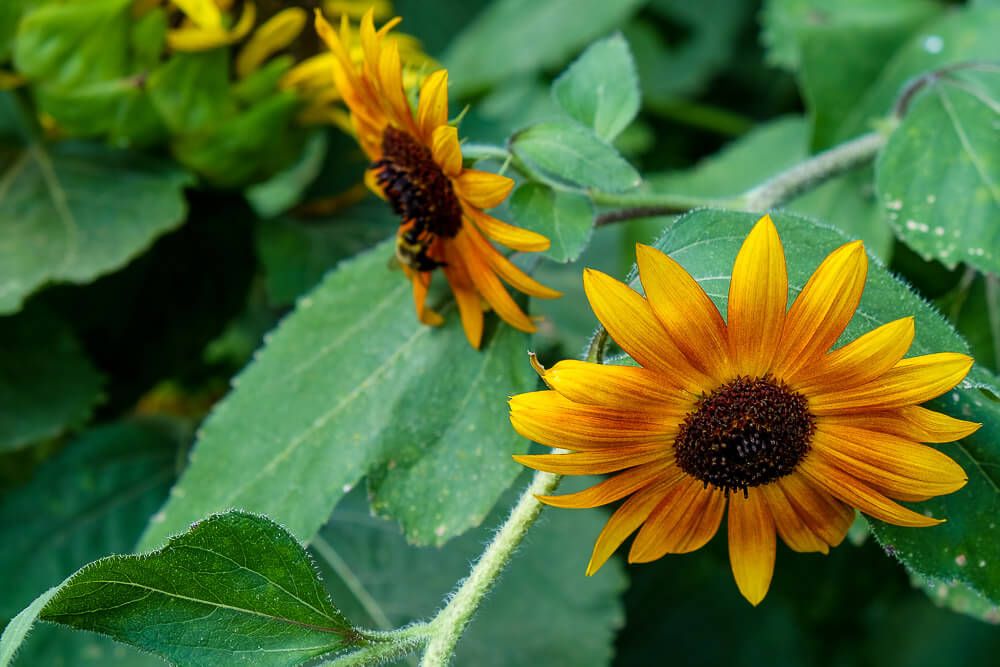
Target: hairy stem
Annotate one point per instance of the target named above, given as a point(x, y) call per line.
point(448, 625)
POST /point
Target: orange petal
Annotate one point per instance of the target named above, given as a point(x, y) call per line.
point(687, 314)
point(481, 188)
point(631, 323)
point(684, 521)
point(850, 490)
point(490, 287)
point(911, 422)
point(751, 544)
point(514, 276)
point(618, 486)
point(509, 235)
point(758, 297)
point(899, 468)
point(551, 419)
point(860, 361)
point(909, 382)
point(446, 150)
point(597, 462)
point(470, 306)
point(795, 532)
point(823, 309)
point(616, 386)
point(824, 515)
point(624, 522)
point(421, 281)
point(391, 86)
point(432, 108)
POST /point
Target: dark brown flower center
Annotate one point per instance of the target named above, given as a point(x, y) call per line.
point(416, 187)
point(748, 432)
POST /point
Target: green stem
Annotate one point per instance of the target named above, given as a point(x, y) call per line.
point(393, 646)
point(703, 117)
point(448, 625)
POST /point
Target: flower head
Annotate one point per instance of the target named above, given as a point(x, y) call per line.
point(417, 167)
point(755, 414)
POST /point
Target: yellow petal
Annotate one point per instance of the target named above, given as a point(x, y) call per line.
point(509, 235)
point(828, 518)
point(687, 314)
point(911, 422)
point(823, 309)
point(421, 281)
point(514, 276)
point(911, 381)
point(624, 522)
point(274, 35)
point(203, 39)
point(203, 13)
point(446, 151)
point(490, 287)
point(684, 521)
point(432, 107)
point(758, 297)
point(618, 486)
point(617, 386)
point(596, 462)
point(470, 307)
point(751, 544)
point(631, 323)
point(852, 491)
point(391, 87)
point(551, 419)
point(898, 468)
point(794, 531)
point(860, 361)
point(481, 188)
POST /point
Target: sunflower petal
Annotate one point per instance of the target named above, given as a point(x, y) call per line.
point(758, 296)
point(687, 314)
point(631, 323)
point(470, 306)
point(618, 486)
point(684, 521)
point(825, 516)
point(514, 276)
point(909, 382)
point(490, 287)
point(822, 310)
point(596, 462)
point(624, 522)
point(551, 419)
point(446, 150)
point(481, 188)
point(794, 531)
point(862, 360)
point(421, 282)
point(616, 386)
point(911, 422)
point(852, 491)
point(513, 237)
point(751, 544)
point(432, 107)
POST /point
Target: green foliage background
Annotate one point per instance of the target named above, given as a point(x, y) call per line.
point(205, 355)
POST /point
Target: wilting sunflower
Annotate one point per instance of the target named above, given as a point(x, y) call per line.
point(417, 167)
point(757, 414)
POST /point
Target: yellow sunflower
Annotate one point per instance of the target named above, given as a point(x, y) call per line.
point(756, 414)
point(417, 167)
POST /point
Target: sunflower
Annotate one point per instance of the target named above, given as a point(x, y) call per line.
point(417, 167)
point(756, 414)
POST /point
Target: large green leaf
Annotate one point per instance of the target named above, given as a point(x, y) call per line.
point(233, 587)
point(544, 611)
point(350, 385)
point(19, 627)
point(601, 89)
point(939, 176)
point(570, 153)
point(109, 481)
point(547, 32)
point(62, 646)
point(47, 384)
point(71, 212)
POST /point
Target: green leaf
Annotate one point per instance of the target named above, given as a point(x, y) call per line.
point(963, 550)
point(72, 212)
point(191, 91)
point(383, 582)
point(548, 31)
point(573, 154)
point(349, 386)
point(567, 219)
point(109, 481)
point(601, 89)
point(10, 17)
point(962, 36)
point(234, 585)
point(52, 644)
point(17, 630)
point(284, 190)
point(971, 305)
point(939, 176)
point(959, 598)
point(296, 255)
point(47, 384)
